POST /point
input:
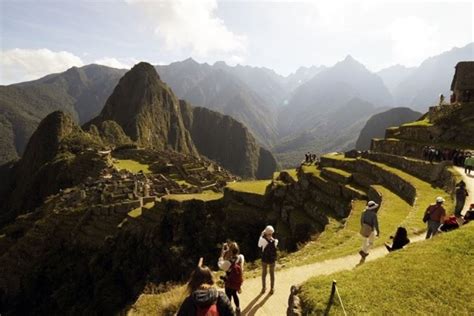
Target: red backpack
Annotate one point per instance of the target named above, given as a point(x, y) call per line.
point(234, 276)
point(207, 311)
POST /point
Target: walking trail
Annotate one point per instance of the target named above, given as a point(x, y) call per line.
point(254, 303)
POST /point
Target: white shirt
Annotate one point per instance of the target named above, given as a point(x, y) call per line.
point(224, 265)
point(262, 243)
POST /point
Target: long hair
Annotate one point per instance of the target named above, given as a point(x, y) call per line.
point(201, 275)
point(401, 234)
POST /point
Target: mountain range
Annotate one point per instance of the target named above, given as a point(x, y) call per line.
point(288, 115)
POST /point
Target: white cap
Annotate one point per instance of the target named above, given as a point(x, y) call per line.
point(439, 199)
point(269, 230)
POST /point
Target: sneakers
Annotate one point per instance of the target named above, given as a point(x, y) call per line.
point(363, 254)
point(263, 290)
point(237, 311)
point(272, 291)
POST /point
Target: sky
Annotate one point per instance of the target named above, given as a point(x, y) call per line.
point(43, 36)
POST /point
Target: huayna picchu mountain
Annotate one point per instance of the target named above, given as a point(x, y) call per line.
point(151, 115)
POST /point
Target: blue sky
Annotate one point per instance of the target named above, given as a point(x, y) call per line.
point(40, 37)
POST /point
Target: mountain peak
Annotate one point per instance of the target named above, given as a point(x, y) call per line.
point(190, 60)
point(143, 68)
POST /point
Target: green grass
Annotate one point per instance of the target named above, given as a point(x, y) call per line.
point(422, 123)
point(204, 196)
point(131, 165)
point(135, 212)
point(165, 304)
point(184, 183)
point(256, 187)
point(340, 172)
point(432, 277)
point(338, 240)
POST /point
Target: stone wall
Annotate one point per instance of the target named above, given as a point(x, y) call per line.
point(397, 184)
point(437, 173)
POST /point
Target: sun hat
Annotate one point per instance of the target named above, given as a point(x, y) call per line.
point(269, 230)
point(371, 205)
point(439, 199)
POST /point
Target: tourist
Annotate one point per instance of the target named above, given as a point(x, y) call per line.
point(469, 215)
point(306, 157)
point(441, 99)
point(369, 228)
point(269, 256)
point(204, 298)
point(461, 194)
point(232, 262)
point(400, 240)
point(468, 164)
point(434, 216)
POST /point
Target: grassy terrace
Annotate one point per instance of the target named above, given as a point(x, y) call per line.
point(340, 240)
point(423, 123)
point(399, 283)
point(337, 240)
point(256, 187)
point(204, 196)
point(340, 172)
point(131, 165)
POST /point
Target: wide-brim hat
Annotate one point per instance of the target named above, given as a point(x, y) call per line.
point(439, 199)
point(372, 206)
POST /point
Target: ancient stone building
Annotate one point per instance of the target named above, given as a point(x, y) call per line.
point(463, 83)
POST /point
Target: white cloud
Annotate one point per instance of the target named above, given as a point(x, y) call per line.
point(194, 25)
point(18, 64)
point(116, 63)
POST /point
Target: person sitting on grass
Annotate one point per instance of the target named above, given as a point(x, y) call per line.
point(204, 299)
point(400, 240)
point(469, 215)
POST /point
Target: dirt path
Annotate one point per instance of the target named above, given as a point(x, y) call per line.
point(469, 179)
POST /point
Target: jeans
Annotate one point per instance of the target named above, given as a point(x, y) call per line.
point(233, 294)
point(432, 228)
point(459, 207)
point(367, 242)
point(264, 274)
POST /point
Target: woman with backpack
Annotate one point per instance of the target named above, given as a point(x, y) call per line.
point(204, 299)
point(269, 256)
point(232, 262)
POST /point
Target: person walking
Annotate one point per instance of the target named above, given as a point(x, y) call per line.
point(269, 256)
point(369, 228)
point(468, 164)
point(203, 297)
point(232, 262)
point(461, 194)
point(434, 216)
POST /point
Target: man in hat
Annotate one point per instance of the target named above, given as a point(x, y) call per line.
point(436, 213)
point(269, 256)
point(369, 228)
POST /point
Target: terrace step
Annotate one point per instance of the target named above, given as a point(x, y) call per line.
point(337, 175)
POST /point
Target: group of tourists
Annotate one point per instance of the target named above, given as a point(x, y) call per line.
point(203, 296)
point(434, 216)
point(457, 156)
point(310, 158)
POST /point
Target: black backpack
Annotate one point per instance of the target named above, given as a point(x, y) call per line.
point(269, 254)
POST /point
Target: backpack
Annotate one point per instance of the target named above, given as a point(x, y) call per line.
point(207, 311)
point(269, 254)
point(234, 278)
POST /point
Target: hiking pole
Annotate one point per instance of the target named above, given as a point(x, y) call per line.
point(339, 296)
point(331, 298)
